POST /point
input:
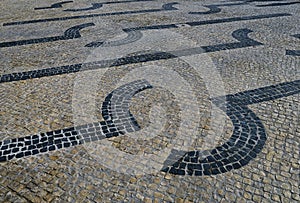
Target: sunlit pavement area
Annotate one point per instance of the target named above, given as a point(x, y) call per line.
point(149, 101)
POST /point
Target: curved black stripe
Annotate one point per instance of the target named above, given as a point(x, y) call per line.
point(74, 32)
point(117, 109)
point(116, 125)
point(246, 142)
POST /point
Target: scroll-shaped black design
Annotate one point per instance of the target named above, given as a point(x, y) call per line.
point(246, 141)
point(118, 121)
point(241, 35)
point(56, 5)
point(71, 33)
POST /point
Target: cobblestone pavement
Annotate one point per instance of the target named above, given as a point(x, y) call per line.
point(149, 101)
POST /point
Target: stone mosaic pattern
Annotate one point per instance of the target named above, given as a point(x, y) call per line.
point(261, 87)
point(118, 121)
